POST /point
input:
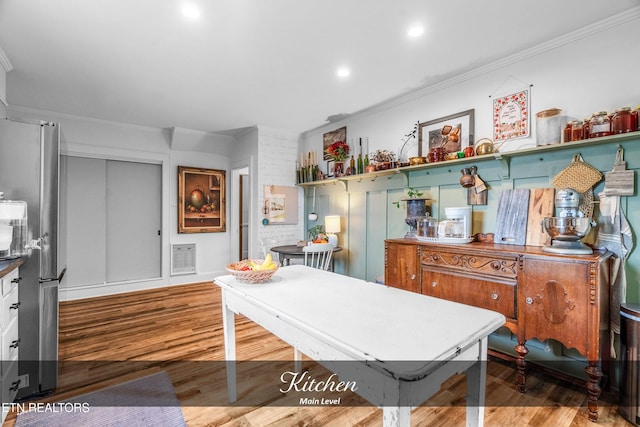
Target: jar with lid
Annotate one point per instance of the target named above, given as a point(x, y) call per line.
point(599, 125)
point(428, 227)
point(566, 134)
point(623, 121)
point(585, 127)
point(577, 130)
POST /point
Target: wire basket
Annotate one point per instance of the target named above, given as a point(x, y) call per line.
point(250, 276)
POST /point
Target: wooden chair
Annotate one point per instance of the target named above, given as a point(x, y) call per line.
point(318, 255)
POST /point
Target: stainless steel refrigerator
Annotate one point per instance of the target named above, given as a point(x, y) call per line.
point(29, 168)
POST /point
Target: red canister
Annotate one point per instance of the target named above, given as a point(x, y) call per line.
point(436, 155)
point(623, 121)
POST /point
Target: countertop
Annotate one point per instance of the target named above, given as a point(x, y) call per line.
point(7, 266)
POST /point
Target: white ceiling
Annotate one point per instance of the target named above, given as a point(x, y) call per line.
point(266, 62)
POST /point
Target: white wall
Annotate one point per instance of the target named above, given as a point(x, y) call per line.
point(589, 70)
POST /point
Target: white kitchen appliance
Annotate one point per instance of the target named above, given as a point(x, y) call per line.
point(29, 166)
point(457, 227)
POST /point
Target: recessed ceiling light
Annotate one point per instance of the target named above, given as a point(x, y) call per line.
point(343, 72)
point(190, 11)
point(415, 31)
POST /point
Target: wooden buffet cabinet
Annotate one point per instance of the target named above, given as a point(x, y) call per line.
point(542, 295)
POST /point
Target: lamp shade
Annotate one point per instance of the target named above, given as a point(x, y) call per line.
point(332, 223)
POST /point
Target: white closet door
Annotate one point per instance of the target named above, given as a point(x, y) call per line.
point(133, 221)
point(82, 224)
point(110, 220)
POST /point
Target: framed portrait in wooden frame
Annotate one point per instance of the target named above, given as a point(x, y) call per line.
point(454, 133)
point(201, 200)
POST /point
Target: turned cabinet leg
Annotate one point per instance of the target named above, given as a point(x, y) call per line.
point(593, 389)
point(521, 365)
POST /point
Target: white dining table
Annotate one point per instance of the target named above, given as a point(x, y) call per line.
point(402, 345)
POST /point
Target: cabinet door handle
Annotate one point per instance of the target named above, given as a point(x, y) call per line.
point(413, 276)
point(14, 306)
point(15, 385)
point(494, 296)
point(529, 300)
point(434, 284)
point(16, 280)
point(15, 343)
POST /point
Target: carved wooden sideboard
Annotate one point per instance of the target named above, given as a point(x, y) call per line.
point(542, 295)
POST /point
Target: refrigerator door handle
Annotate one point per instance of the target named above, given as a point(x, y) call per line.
point(64, 270)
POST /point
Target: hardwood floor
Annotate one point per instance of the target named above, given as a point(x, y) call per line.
point(108, 340)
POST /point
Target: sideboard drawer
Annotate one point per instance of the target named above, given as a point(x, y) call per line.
point(492, 295)
point(469, 262)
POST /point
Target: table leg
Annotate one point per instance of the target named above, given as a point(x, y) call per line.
point(397, 416)
point(476, 386)
point(297, 360)
point(229, 331)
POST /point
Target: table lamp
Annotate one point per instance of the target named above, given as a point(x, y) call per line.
point(332, 226)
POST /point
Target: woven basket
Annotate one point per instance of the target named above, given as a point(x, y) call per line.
point(250, 276)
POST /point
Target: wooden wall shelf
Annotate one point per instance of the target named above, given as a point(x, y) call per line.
point(503, 158)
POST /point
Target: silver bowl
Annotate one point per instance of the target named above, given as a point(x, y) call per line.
point(567, 228)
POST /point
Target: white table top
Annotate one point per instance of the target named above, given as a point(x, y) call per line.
point(368, 321)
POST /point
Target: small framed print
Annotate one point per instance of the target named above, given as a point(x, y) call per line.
point(453, 133)
point(201, 200)
point(331, 168)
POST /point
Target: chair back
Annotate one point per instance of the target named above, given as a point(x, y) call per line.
point(318, 255)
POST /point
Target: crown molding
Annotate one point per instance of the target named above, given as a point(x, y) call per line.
point(586, 31)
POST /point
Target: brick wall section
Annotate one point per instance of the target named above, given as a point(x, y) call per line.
point(277, 154)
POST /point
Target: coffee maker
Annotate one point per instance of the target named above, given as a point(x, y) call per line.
point(457, 227)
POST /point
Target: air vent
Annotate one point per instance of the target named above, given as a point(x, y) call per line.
point(183, 259)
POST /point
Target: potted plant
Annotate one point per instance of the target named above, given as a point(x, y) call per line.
point(383, 159)
point(416, 209)
point(317, 234)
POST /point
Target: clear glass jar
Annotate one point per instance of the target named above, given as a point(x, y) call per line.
point(599, 125)
point(623, 121)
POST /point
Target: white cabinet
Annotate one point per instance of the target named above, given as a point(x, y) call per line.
point(9, 340)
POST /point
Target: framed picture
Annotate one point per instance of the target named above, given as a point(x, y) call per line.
point(511, 116)
point(454, 133)
point(331, 137)
point(331, 168)
point(201, 200)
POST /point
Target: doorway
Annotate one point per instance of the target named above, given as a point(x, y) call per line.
point(241, 214)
